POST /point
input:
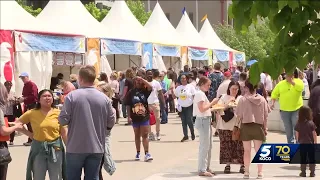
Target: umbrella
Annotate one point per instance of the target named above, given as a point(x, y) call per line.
point(249, 63)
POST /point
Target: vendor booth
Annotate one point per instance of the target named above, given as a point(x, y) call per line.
point(122, 45)
point(197, 47)
point(164, 47)
point(220, 51)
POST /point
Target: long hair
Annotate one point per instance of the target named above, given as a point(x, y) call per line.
point(67, 87)
point(106, 89)
point(38, 105)
point(3, 96)
point(231, 84)
point(305, 114)
point(130, 74)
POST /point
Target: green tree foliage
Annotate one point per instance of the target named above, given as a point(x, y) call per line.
point(97, 13)
point(250, 43)
point(29, 9)
point(297, 28)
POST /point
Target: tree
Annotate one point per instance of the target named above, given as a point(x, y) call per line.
point(250, 43)
point(137, 7)
point(29, 9)
point(297, 30)
point(98, 14)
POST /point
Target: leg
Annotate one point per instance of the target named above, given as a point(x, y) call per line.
point(294, 120)
point(40, 167)
point(257, 145)
point(246, 155)
point(204, 146)
point(115, 104)
point(92, 166)
point(124, 110)
point(100, 171)
point(210, 148)
point(157, 115)
point(137, 138)
point(3, 172)
point(55, 168)
point(184, 123)
point(75, 162)
point(12, 118)
point(189, 119)
point(286, 118)
point(29, 129)
point(144, 134)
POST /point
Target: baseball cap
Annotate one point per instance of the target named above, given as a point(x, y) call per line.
point(24, 74)
point(227, 74)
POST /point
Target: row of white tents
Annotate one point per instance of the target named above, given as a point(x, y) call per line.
point(71, 18)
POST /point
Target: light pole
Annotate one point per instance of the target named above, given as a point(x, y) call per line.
point(197, 15)
point(149, 8)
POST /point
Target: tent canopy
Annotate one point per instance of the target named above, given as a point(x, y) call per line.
point(14, 17)
point(123, 24)
point(212, 39)
point(160, 30)
point(70, 17)
point(187, 30)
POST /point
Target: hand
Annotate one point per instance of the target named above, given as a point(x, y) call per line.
point(18, 126)
point(215, 101)
point(272, 106)
point(21, 99)
point(129, 120)
point(265, 130)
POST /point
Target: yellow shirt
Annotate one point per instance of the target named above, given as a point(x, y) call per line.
point(290, 97)
point(45, 127)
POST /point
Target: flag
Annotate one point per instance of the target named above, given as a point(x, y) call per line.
point(183, 10)
point(204, 17)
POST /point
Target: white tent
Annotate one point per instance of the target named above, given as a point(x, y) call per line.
point(212, 39)
point(187, 30)
point(70, 17)
point(122, 24)
point(14, 17)
point(160, 30)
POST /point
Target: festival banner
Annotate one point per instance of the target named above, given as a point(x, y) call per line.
point(210, 60)
point(93, 53)
point(184, 56)
point(198, 54)
point(239, 57)
point(113, 46)
point(42, 42)
point(6, 57)
point(147, 57)
point(164, 50)
point(221, 55)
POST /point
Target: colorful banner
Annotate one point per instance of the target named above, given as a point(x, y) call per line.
point(93, 53)
point(184, 56)
point(239, 57)
point(221, 55)
point(198, 54)
point(163, 50)
point(147, 56)
point(41, 42)
point(6, 57)
point(210, 60)
point(112, 46)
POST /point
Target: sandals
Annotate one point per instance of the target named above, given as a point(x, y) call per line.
point(227, 169)
point(206, 174)
point(246, 175)
point(260, 175)
point(242, 169)
point(212, 172)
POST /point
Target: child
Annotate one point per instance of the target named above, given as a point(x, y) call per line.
point(306, 136)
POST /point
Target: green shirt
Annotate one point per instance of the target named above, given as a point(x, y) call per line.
point(289, 96)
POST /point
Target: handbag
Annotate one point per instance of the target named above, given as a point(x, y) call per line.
point(152, 119)
point(5, 157)
point(236, 131)
point(228, 115)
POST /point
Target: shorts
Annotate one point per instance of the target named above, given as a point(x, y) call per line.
point(140, 123)
point(251, 131)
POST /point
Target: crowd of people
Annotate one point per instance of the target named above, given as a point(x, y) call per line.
point(91, 106)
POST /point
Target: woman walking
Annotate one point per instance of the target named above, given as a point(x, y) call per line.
point(201, 109)
point(47, 151)
point(128, 85)
point(252, 112)
point(231, 152)
point(139, 115)
point(114, 84)
point(9, 110)
point(185, 93)
point(314, 102)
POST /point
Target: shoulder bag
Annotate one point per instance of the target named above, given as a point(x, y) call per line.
point(236, 131)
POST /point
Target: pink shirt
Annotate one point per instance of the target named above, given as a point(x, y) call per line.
point(253, 109)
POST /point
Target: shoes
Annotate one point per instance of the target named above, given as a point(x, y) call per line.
point(260, 176)
point(127, 124)
point(312, 174)
point(216, 134)
point(242, 169)
point(158, 138)
point(193, 137)
point(246, 175)
point(27, 144)
point(163, 122)
point(227, 169)
point(11, 143)
point(303, 174)
point(148, 157)
point(137, 158)
point(184, 139)
point(152, 137)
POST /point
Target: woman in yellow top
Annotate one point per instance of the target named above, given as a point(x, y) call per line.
point(47, 150)
point(289, 94)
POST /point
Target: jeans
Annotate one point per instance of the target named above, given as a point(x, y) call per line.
point(289, 119)
point(115, 105)
point(186, 118)
point(203, 125)
point(164, 114)
point(124, 110)
point(89, 161)
point(42, 164)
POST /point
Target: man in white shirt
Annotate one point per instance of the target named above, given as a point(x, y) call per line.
point(154, 99)
point(266, 80)
point(224, 85)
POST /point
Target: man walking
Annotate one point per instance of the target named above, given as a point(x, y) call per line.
point(29, 98)
point(88, 114)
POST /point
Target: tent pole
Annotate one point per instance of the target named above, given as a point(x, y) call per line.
point(114, 62)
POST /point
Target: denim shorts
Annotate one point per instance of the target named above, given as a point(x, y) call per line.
point(141, 123)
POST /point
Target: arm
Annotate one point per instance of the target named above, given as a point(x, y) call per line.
point(24, 119)
point(64, 134)
point(129, 113)
point(125, 90)
point(315, 137)
point(65, 114)
point(33, 94)
point(203, 107)
point(297, 85)
point(111, 116)
point(161, 97)
point(274, 95)
point(297, 135)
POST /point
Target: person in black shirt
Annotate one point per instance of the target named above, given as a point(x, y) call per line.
point(139, 115)
point(128, 85)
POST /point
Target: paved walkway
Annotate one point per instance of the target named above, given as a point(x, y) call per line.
point(173, 160)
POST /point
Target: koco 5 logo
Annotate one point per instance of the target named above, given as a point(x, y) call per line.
point(265, 153)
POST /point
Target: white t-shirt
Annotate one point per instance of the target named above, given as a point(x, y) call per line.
point(263, 78)
point(185, 94)
point(198, 97)
point(156, 87)
point(268, 83)
point(223, 88)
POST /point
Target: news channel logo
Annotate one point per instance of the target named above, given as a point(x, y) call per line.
point(275, 153)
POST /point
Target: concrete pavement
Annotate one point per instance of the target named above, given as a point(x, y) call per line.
point(172, 159)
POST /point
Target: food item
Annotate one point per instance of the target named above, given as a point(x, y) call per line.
point(232, 103)
point(218, 106)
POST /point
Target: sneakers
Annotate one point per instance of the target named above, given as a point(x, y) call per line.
point(27, 144)
point(148, 157)
point(184, 139)
point(137, 158)
point(152, 137)
point(158, 138)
